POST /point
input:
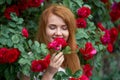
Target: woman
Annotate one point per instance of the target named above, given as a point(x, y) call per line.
point(57, 21)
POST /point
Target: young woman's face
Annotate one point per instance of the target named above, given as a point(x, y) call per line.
point(56, 28)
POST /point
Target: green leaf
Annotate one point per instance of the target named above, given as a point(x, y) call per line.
point(78, 2)
point(11, 24)
point(9, 1)
point(3, 41)
point(97, 3)
point(12, 30)
point(14, 17)
point(81, 34)
point(30, 43)
point(66, 3)
point(43, 46)
point(68, 71)
point(24, 61)
point(77, 74)
point(15, 39)
point(36, 43)
point(20, 47)
point(67, 50)
point(20, 21)
point(44, 49)
point(9, 43)
point(26, 70)
point(2, 2)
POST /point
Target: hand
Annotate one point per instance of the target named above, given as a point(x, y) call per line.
point(55, 62)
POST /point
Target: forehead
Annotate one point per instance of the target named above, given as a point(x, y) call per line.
point(54, 19)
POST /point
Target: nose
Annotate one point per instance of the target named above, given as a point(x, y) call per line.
point(58, 32)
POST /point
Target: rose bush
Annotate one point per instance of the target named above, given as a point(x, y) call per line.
point(97, 37)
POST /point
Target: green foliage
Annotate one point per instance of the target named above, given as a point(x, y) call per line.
point(11, 37)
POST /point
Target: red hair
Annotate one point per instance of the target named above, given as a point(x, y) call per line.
point(71, 60)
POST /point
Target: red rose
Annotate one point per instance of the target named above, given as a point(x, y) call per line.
point(81, 23)
point(115, 15)
point(3, 52)
point(83, 77)
point(47, 59)
point(40, 65)
point(36, 65)
point(105, 39)
point(11, 9)
point(72, 79)
point(22, 5)
point(12, 55)
point(57, 44)
point(88, 52)
point(104, 1)
point(84, 12)
point(34, 3)
point(25, 32)
point(113, 34)
point(99, 25)
point(87, 70)
point(110, 48)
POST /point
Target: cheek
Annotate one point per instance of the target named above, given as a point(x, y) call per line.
point(49, 34)
point(66, 34)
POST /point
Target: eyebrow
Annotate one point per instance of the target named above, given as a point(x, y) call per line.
point(56, 25)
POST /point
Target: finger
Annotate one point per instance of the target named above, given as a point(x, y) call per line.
point(60, 61)
point(58, 56)
point(53, 55)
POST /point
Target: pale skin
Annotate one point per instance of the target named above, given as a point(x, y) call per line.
point(56, 27)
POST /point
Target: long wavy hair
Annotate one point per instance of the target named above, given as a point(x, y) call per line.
point(71, 60)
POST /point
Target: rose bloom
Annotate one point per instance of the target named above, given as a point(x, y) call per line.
point(12, 55)
point(22, 5)
point(3, 52)
point(115, 15)
point(57, 44)
point(113, 34)
point(104, 1)
point(81, 23)
point(110, 47)
point(37, 65)
point(88, 52)
point(25, 32)
point(47, 59)
point(83, 77)
point(11, 9)
point(105, 39)
point(34, 3)
point(84, 12)
point(40, 65)
point(72, 78)
point(87, 70)
point(100, 26)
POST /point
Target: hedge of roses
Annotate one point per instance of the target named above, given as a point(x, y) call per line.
point(97, 36)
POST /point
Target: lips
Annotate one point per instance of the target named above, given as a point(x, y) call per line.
point(57, 37)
